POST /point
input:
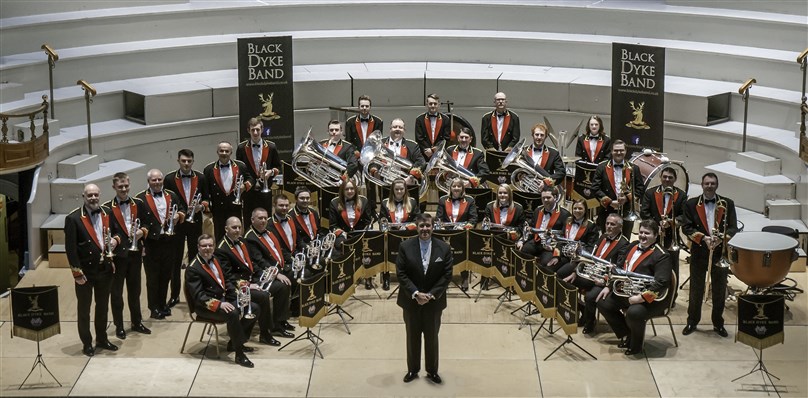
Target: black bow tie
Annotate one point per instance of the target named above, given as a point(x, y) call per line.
point(709, 200)
point(256, 145)
point(537, 148)
point(641, 249)
point(398, 144)
point(504, 207)
point(501, 114)
point(224, 165)
point(237, 242)
point(399, 202)
point(124, 202)
point(95, 212)
point(547, 212)
point(157, 194)
point(364, 119)
point(461, 150)
point(186, 175)
point(618, 165)
point(455, 200)
point(433, 116)
point(303, 211)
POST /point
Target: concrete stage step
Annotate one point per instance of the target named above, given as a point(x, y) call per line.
point(750, 190)
point(77, 166)
point(66, 192)
point(758, 163)
point(782, 209)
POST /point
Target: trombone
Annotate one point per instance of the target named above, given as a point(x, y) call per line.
point(674, 246)
point(722, 262)
point(625, 189)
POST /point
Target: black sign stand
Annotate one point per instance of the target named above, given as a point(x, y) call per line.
point(569, 316)
point(44, 306)
point(40, 362)
point(550, 330)
point(507, 295)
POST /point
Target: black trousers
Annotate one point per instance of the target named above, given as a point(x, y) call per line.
point(220, 216)
point(97, 286)
point(161, 258)
point(718, 281)
point(592, 292)
point(274, 306)
point(186, 236)
point(423, 320)
point(238, 328)
point(128, 268)
point(254, 198)
point(631, 324)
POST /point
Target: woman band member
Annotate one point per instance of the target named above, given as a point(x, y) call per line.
point(349, 212)
point(594, 146)
point(399, 209)
point(459, 211)
point(628, 315)
point(504, 212)
point(578, 228)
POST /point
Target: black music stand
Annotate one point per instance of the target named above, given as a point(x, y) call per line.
point(764, 373)
point(567, 311)
point(570, 341)
point(35, 302)
point(310, 336)
point(337, 309)
point(507, 295)
point(40, 362)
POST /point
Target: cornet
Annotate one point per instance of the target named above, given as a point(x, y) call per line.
point(133, 234)
point(169, 231)
point(192, 207)
point(239, 188)
point(267, 277)
point(264, 182)
point(313, 252)
point(328, 247)
point(299, 266)
point(244, 299)
point(107, 252)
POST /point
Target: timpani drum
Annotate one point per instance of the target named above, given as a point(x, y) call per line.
point(761, 259)
point(651, 165)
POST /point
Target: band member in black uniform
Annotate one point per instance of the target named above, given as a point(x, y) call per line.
point(424, 269)
point(578, 228)
point(266, 251)
point(307, 220)
point(358, 127)
point(460, 211)
point(283, 227)
point(189, 185)
point(665, 204)
point(398, 209)
point(348, 212)
point(222, 178)
point(406, 149)
point(255, 153)
point(549, 217)
point(504, 212)
point(124, 215)
point(92, 272)
point(431, 127)
point(235, 259)
point(707, 219)
point(215, 296)
point(500, 129)
point(547, 160)
point(341, 148)
point(628, 315)
point(472, 159)
point(618, 184)
point(611, 245)
point(161, 255)
point(594, 146)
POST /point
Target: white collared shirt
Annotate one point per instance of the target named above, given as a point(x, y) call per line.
point(160, 204)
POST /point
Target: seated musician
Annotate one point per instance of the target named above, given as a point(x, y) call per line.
point(399, 211)
point(549, 217)
point(503, 213)
point(349, 212)
point(609, 246)
point(265, 250)
point(628, 315)
point(472, 159)
point(457, 211)
point(234, 257)
point(579, 228)
point(307, 220)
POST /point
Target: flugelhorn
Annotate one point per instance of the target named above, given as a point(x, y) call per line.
point(244, 299)
point(262, 177)
point(192, 207)
point(133, 234)
point(239, 189)
point(267, 277)
point(169, 231)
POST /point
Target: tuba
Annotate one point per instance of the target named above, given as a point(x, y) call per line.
point(317, 164)
point(447, 168)
point(387, 166)
point(627, 284)
point(593, 268)
point(525, 178)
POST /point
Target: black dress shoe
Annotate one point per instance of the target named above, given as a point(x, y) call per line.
point(120, 333)
point(434, 377)
point(721, 331)
point(632, 352)
point(157, 315)
point(242, 360)
point(624, 343)
point(88, 350)
point(410, 376)
point(282, 333)
point(386, 284)
point(166, 311)
point(287, 326)
point(589, 329)
point(107, 346)
point(368, 283)
point(141, 329)
point(269, 340)
point(171, 303)
point(688, 329)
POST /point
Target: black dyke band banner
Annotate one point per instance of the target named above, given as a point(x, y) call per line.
point(545, 291)
point(312, 301)
point(341, 273)
point(502, 261)
point(760, 320)
point(35, 312)
point(292, 181)
point(525, 277)
point(394, 240)
point(353, 243)
point(266, 90)
point(481, 252)
point(567, 306)
point(458, 241)
point(583, 187)
point(638, 96)
point(530, 202)
point(372, 253)
point(323, 203)
point(496, 176)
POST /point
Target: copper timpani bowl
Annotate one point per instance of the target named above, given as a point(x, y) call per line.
point(761, 259)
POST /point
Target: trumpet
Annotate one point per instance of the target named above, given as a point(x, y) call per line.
point(299, 266)
point(593, 268)
point(169, 231)
point(133, 234)
point(267, 277)
point(264, 181)
point(107, 252)
point(244, 299)
point(192, 207)
point(627, 284)
point(239, 189)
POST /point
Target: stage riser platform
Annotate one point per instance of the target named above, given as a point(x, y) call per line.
point(782, 209)
point(758, 163)
point(751, 191)
point(66, 193)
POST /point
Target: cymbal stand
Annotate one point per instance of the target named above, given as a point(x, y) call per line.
point(310, 336)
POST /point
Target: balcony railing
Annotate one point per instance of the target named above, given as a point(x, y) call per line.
point(17, 153)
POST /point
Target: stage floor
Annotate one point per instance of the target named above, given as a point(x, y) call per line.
point(482, 354)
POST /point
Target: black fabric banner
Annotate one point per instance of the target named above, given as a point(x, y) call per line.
point(341, 273)
point(312, 301)
point(266, 90)
point(638, 96)
point(545, 291)
point(525, 277)
point(760, 320)
point(497, 176)
point(583, 188)
point(567, 306)
point(372, 252)
point(502, 261)
point(35, 312)
point(481, 252)
point(291, 181)
point(530, 202)
point(394, 240)
point(353, 244)
point(458, 241)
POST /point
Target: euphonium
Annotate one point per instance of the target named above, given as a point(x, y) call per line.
point(264, 181)
point(239, 190)
point(107, 253)
point(244, 299)
point(133, 234)
point(317, 164)
point(525, 178)
point(170, 221)
point(593, 268)
point(387, 166)
point(447, 168)
point(192, 207)
point(627, 284)
point(267, 277)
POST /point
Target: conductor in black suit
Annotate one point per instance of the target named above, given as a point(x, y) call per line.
point(424, 269)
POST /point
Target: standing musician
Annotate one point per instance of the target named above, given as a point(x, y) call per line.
point(399, 209)
point(500, 129)
point(628, 315)
point(188, 184)
point(348, 212)
point(547, 161)
point(470, 158)
point(257, 154)
point(406, 149)
point(266, 251)
point(341, 148)
point(161, 255)
point(618, 184)
point(125, 213)
point(549, 217)
point(431, 127)
point(594, 146)
point(665, 204)
point(611, 245)
point(460, 211)
point(359, 127)
point(708, 220)
point(234, 257)
point(307, 220)
point(578, 228)
point(222, 178)
point(215, 297)
point(92, 272)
